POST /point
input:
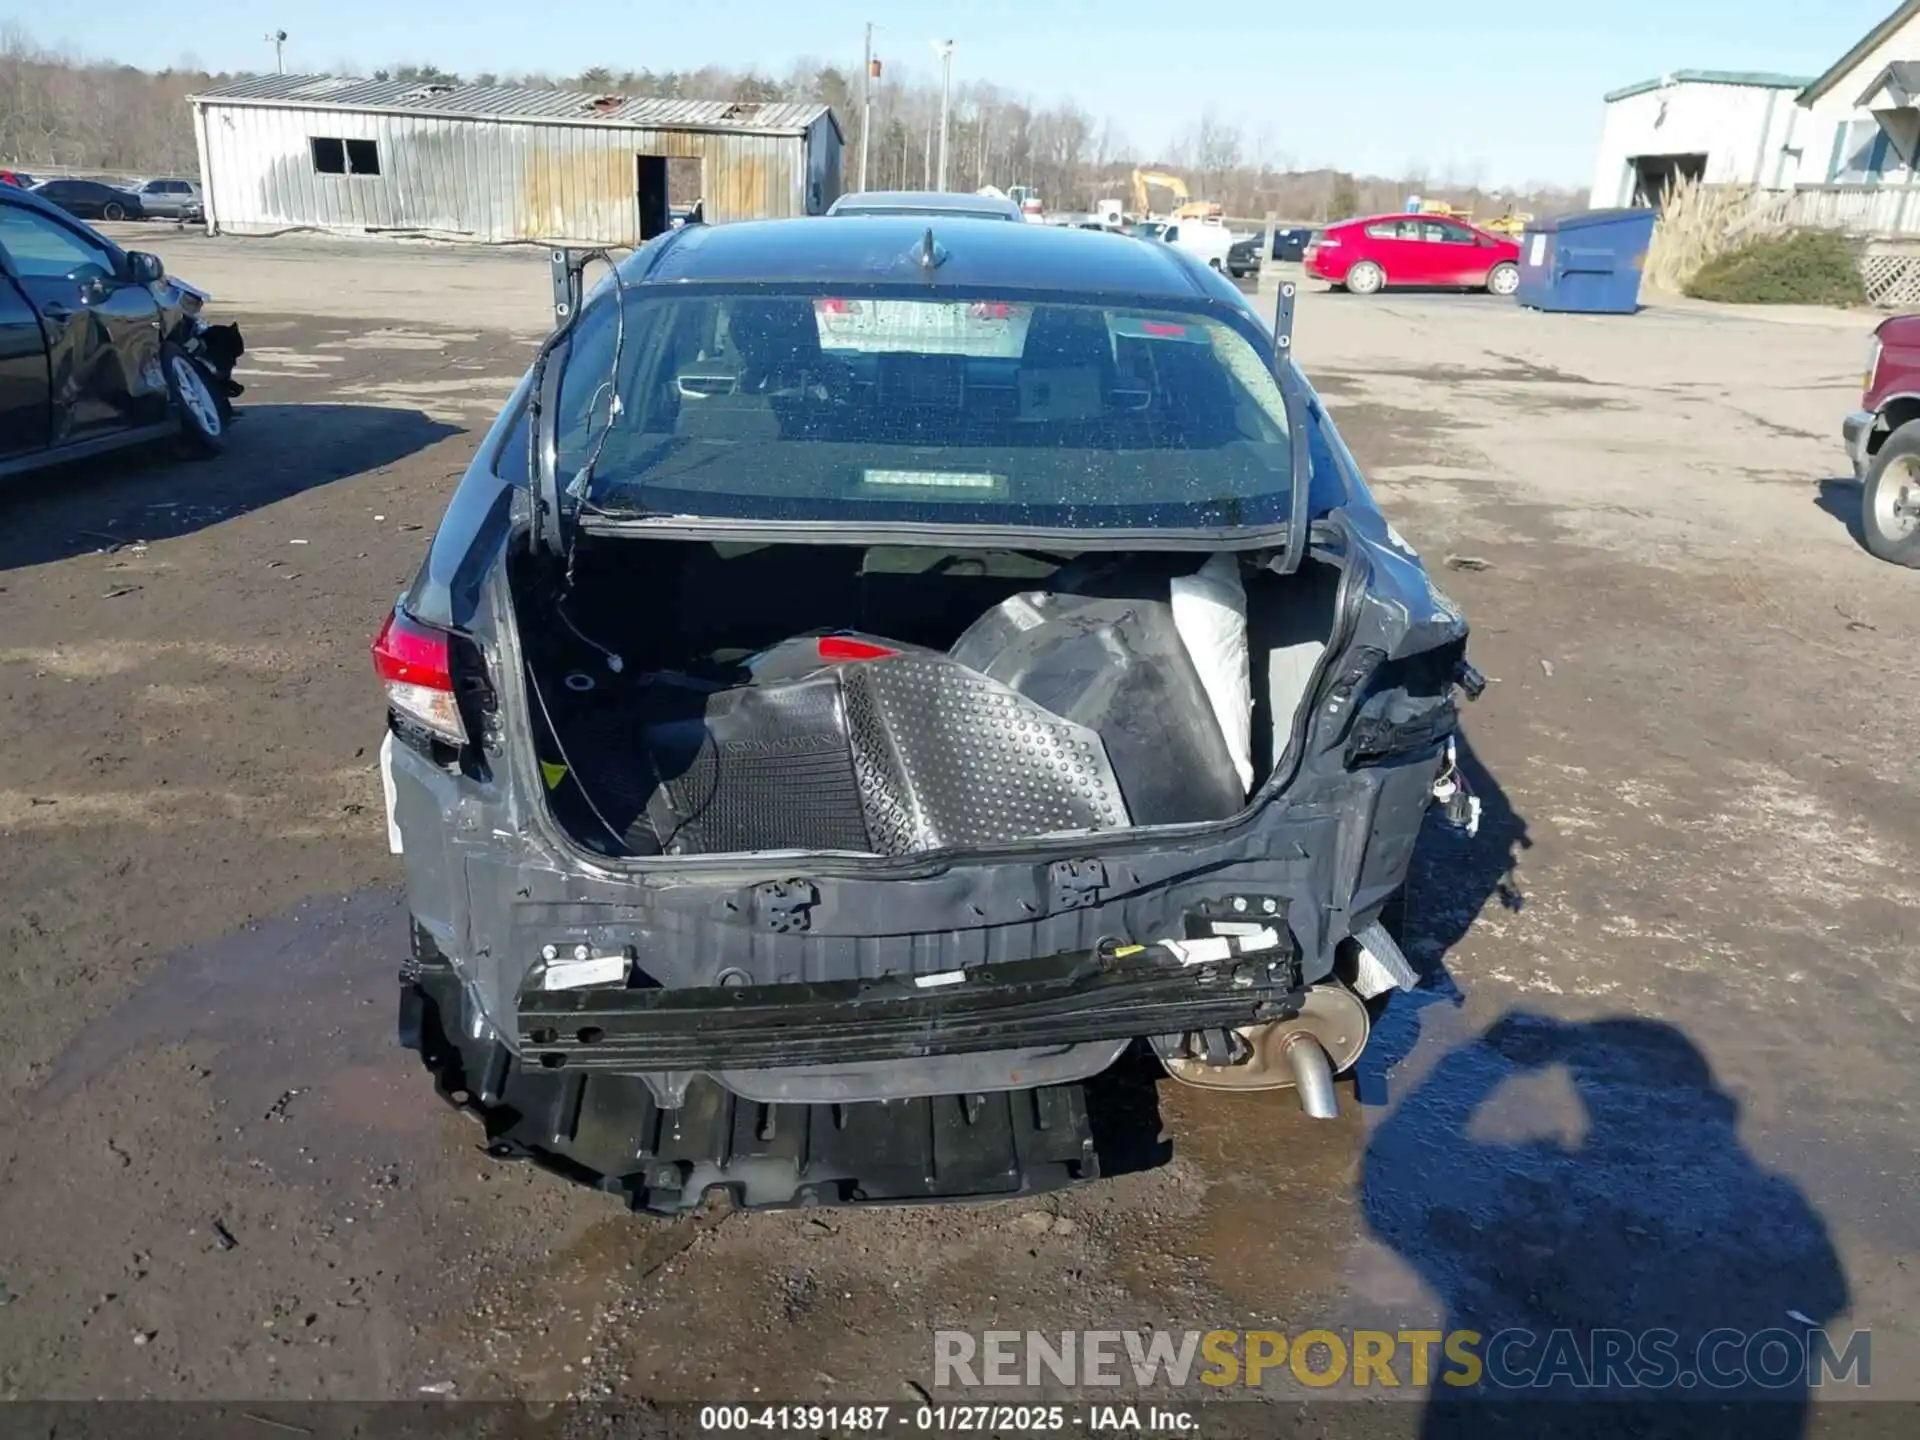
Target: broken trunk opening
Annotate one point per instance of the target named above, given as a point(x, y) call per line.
point(696, 697)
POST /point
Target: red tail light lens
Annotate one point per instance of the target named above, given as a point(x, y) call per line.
point(845, 647)
point(832, 305)
point(415, 664)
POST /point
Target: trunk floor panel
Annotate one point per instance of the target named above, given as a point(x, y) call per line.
point(607, 1131)
point(686, 773)
point(889, 756)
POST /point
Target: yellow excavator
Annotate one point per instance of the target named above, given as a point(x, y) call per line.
point(1511, 223)
point(1185, 208)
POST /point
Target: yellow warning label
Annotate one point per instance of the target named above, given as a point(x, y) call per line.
point(554, 773)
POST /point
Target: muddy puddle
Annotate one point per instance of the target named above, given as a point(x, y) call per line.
point(293, 1019)
point(1491, 1168)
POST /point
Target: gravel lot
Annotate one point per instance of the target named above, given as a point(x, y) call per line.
point(1661, 1073)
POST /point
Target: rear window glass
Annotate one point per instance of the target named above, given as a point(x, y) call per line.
point(934, 211)
point(895, 406)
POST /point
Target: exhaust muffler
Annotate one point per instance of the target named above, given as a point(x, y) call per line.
point(1303, 1052)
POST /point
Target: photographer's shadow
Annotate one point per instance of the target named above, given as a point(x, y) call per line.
point(1587, 1177)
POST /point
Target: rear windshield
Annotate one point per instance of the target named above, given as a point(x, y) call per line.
point(885, 406)
point(945, 212)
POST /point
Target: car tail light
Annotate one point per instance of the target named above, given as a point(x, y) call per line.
point(845, 647)
point(1324, 245)
point(831, 305)
point(415, 664)
point(992, 310)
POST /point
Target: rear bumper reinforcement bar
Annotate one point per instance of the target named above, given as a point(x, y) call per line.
point(1062, 1000)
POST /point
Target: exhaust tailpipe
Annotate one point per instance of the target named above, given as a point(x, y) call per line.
point(1303, 1052)
point(1312, 1074)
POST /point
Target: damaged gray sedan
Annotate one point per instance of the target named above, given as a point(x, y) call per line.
point(870, 679)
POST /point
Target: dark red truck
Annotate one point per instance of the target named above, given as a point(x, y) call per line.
point(1883, 439)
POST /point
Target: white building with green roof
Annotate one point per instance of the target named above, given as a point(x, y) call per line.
point(1726, 127)
point(1843, 146)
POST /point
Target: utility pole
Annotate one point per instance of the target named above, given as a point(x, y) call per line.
point(867, 74)
point(945, 47)
point(278, 39)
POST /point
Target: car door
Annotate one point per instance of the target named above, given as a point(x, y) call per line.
point(73, 196)
point(102, 327)
point(23, 373)
point(1454, 253)
point(157, 198)
point(1420, 264)
point(54, 192)
point(1395, 246)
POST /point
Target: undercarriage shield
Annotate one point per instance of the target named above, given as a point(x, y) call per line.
point(608, 1131)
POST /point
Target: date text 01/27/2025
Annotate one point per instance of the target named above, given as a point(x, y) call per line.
point(947, 1419)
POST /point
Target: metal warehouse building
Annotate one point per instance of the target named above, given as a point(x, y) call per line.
point(499, 163)
point(1722, 127)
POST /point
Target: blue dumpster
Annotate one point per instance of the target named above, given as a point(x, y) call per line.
point(1589, 263)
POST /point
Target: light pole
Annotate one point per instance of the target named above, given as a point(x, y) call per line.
point(945, 47)
point(278, 39)
point(868, 74)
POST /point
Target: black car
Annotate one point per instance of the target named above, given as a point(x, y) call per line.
point(1289, 244)
point(99, 349)
point(92, 199)
point(871, 678)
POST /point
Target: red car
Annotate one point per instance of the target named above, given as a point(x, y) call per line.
point(1883, 440)
point(1368, 255)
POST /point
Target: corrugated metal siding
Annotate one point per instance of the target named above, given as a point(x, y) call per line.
point(333, 92)
point(490, 181)
point(1737, 127)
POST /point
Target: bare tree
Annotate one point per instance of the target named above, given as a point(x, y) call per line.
point(62, 112)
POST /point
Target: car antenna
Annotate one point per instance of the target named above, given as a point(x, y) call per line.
point(929, 253)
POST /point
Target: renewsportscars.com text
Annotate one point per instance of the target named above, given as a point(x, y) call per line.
point(1726, 1359)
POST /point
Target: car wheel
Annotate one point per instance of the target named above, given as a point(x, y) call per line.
point(203, 427)
point(113, 210)
point(1366, 278)
point(1503, 279)
point(1890, 499)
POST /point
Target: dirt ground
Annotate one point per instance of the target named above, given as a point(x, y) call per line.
point(1660, 1072)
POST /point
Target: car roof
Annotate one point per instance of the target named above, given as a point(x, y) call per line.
point(1400, 215)
point(926, 202)
point(870, 249)
point(31, 199)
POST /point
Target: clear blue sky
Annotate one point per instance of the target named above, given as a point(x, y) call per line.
point(1508, 91)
